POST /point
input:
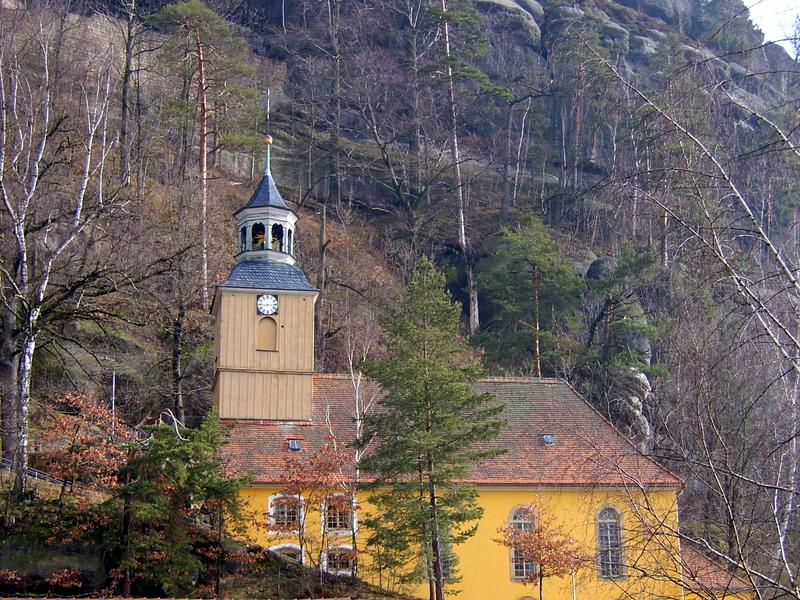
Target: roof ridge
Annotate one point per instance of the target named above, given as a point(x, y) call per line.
point(491, 378)
point(519, 378)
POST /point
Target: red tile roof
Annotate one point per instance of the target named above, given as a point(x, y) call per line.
point(703, 575)
point(587, 450)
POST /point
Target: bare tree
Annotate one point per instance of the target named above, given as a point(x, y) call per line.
point(54, 147)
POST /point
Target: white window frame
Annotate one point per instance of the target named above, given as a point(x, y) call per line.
point(324, 520)
point(277, 548)
point(512, 520)
point(276, 529)
point(345, 547)
point(621, 574)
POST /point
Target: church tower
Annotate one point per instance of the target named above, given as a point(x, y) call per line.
point(264, 317)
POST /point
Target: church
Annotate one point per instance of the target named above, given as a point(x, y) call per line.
point(561, 456)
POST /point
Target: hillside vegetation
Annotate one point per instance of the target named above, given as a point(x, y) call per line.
point(611, 188)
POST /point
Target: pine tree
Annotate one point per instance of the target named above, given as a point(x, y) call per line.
point(175, 497)
point(433, 425)
point(533, 293)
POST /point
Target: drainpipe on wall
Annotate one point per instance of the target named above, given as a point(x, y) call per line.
point(574, 587)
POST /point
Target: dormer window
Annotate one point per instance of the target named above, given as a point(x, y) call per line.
point(295, 445)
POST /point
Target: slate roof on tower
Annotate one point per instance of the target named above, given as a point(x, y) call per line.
point(586, 450)
point(267, 275)
point(266, 195)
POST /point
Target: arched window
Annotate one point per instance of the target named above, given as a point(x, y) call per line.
point(523, 519)
point(290, 242)
point(243, 239)
point(289, 551)
point(277, 237)
point(609, 543)
point(267, 334)
point(259, 236)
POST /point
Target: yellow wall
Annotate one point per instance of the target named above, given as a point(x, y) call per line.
point(648, 523)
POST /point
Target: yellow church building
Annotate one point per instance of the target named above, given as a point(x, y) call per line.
point(619, 506)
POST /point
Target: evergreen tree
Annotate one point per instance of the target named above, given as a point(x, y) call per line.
point(174, 498)
point(535, 292)
point(210, 52)
point(433, 426)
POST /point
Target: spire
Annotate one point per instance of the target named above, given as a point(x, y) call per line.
point(268, 144)
point(267, 193)
point(267, 140)
point(266, 224)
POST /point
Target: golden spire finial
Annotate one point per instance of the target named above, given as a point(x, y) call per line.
point(268, 140)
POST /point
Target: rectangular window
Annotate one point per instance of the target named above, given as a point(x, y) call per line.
point(340, 560)
point(339, 514)
point(523, 569)
point(286, 513)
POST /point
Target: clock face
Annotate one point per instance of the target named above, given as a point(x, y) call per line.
point(267, 304)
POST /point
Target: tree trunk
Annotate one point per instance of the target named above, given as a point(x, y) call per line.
point(124, 137)
point(24, 373)
point(537, 356)
point(472, 288)
point(436, 550)
point(323, 251)
point(177, 360)
point(506, 200)
point(519, 152)
point(203, 139)
point(541, 585)
point(416, 137)
point(9, 366)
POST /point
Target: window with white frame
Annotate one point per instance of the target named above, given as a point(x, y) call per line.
point(289, 551)
point(521, 519)
point(285, 512)
point(340, 560)
point(609, 544)
point(338, 512)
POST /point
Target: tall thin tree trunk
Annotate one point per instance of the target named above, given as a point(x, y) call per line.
point(318, 314)
point(9, 367)
point(519, 150)
point(124, 137)
point(472, 288)
point(203, 139)
point(177, 360)
point(436, 550)
point(24, 373)
point(416, 137)
point(537, 356)
point(506, 202)
point(140, 158)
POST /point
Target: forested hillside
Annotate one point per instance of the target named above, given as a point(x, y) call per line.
point(610, 186)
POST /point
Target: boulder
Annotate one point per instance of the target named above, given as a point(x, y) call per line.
point(602, 268)
point(677, 13)
point(632, 339)
point(615, 38)
point(533, 8)
point(564, 12)
point(509, 19)
point(641, 48)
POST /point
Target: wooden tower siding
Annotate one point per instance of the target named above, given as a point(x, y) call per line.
point(264, 384)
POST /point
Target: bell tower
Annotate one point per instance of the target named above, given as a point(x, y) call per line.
point(264, 317)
